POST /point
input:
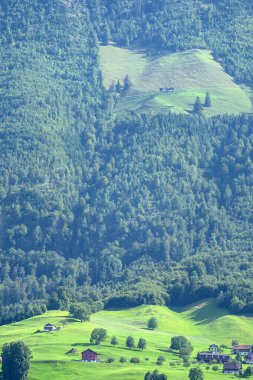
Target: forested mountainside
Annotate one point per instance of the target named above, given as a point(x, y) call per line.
point(225, 27)
point(154, 209)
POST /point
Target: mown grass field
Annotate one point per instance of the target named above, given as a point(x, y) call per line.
point(202, 323)
point(192, 73)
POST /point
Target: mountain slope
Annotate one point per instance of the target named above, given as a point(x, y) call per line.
point(202, 323)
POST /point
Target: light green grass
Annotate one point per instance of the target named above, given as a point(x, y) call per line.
point(203, 323)
point(192, 73)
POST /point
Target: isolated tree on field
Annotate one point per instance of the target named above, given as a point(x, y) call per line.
point(198, 108)
point(15, 361)
point(122, 360)
point(208, 102)
point(178, 342)
point(114, 341)
point(98, 336)
point(196, 374)
point(130, 342)
point(142, 344)
point(152, 323)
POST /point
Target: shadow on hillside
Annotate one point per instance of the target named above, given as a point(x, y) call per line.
point(202, 313)
point(69, 320)
point(81, 344)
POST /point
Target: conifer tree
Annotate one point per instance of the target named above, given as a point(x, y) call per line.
point(198, 108)
point(208, 102)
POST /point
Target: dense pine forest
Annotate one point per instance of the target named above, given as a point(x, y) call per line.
point(119, 211)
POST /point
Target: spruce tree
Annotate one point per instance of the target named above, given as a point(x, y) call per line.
point(208, 102)
point(118, 87)
point(198, 108)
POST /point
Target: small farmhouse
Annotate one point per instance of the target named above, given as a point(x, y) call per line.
point(49, 327)
point(90, 356)
point(232, 368)
point(168, 89)
point(248, 359)
point(242, 349)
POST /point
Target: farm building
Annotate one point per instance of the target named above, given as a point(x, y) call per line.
point(242, 349)
point(49, 327)
point(232, 368)
point(168, 89)
point(248, 359)
point(208, 357)
point(213, 348)
point(90, 356)
point(213, 354)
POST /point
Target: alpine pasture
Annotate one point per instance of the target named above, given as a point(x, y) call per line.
point(202, 323)
point(192, 73)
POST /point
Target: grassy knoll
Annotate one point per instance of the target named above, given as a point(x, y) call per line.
point(202, 323)
point(192, 73)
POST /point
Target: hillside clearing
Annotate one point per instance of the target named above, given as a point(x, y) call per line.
point(192, 73)
point(203, 323)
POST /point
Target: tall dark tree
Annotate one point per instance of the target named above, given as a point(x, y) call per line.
point(208, 102)
point(142, 344)
point(198, 108)
point(130, 342)
point(15, 361)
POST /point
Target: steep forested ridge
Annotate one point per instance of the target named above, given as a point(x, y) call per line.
point(141, 209)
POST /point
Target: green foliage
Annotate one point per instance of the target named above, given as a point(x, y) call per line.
point(15, 361)
point(177, 342)
point(208, 102)
point(142, 344)
point(152, 323)
point(80, 311)
point(98, 335)
point(114, 341)
point(155, 376)
point(223, 26)
point(130, 342)
point(198, 108)
point(248, 372)
point(149, 209)
point(196, 374)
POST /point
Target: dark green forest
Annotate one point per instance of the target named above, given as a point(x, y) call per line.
point(119, 212)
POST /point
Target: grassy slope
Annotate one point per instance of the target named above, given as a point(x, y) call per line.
point(202, 323)
point(192, 73)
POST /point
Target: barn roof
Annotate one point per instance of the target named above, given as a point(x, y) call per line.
point(242, 347)
point(232, 366)
point(89, 350)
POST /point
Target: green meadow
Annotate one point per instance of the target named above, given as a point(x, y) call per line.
point(192, 73)
point(202, 323)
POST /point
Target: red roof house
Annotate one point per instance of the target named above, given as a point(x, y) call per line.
point(242, 349)
point(89, 356)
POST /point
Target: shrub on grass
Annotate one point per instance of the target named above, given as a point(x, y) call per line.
point(135, 360)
